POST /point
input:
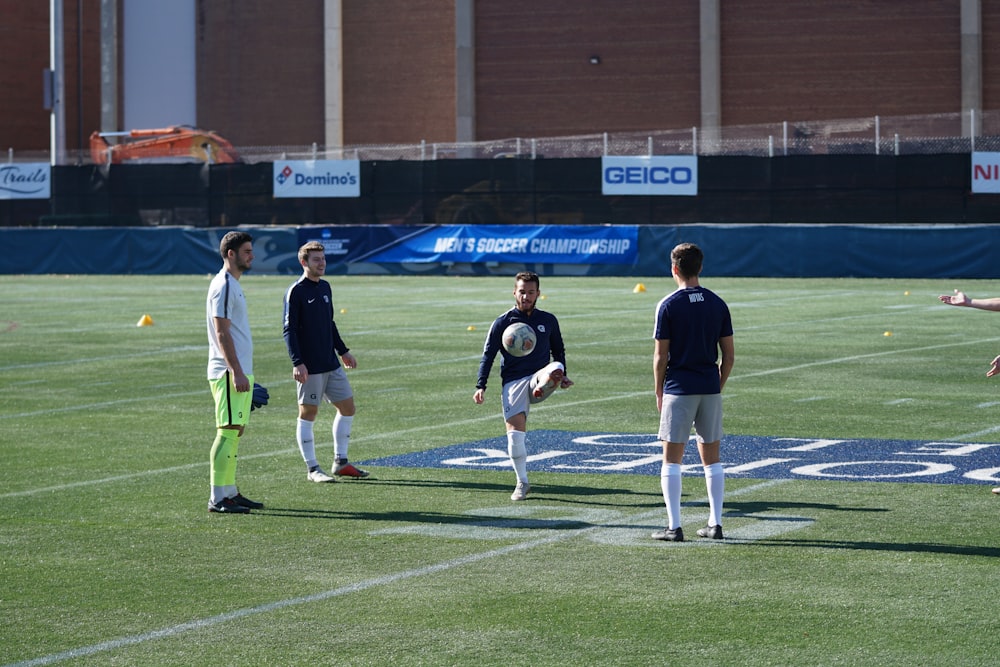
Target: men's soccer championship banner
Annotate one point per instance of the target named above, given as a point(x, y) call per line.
point(552, 244)
point(317, 178)
point(25, 180)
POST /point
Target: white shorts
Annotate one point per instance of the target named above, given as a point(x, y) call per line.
point(680, 413)
point(518, 395)
point(334, 386)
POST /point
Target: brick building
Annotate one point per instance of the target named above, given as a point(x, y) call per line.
point(350, 72)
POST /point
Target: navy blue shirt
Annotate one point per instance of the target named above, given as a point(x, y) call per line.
point(693, 320)
point(310, 333)
point(549, 346)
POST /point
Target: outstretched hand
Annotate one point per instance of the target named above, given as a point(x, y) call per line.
point(994, 368)
point(957, 299)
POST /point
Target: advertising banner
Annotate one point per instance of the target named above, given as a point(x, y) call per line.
point(986, 173)
point(650, 175)
point(553, 244)
point(317, 178)
point(25, 180)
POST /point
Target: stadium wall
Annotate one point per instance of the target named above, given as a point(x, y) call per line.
point(869, 251)
point(793, 189)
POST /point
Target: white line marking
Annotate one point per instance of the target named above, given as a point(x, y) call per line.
point(199, 624)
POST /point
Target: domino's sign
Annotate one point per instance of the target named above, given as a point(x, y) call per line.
point(650, 175)
point(317, 178)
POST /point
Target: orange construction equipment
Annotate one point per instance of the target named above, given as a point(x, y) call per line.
point(181, 143)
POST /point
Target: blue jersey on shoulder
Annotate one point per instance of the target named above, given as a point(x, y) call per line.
point(693, 320)
point(310, 332)
point(549, 347)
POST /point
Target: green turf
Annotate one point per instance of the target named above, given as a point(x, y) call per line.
point(107, 555)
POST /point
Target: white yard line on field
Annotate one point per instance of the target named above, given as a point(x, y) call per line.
point(434, 568)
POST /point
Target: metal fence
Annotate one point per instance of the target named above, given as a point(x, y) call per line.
point(964, 132)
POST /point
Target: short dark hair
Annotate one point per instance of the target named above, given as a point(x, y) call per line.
point(688, 258)
point(528, 277)
point(232, 241)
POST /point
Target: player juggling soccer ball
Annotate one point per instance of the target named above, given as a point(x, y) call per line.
point(313, 343)
point(692, 327)
point(532, 366)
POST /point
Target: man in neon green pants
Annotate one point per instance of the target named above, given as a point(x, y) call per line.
point(230, 371)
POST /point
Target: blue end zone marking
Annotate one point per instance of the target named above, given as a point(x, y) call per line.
point(745, 456)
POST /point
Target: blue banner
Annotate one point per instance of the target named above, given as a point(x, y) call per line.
point(555, 244)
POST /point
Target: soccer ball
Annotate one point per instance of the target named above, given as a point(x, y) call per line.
point(519, 339)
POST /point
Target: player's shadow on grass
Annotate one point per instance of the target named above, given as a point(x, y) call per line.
point(759, 507)
point(389, 515)
point(901, 547)
point(555, 492)
point(466, 521)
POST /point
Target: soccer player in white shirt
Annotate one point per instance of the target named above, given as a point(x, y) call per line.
point(230, 371)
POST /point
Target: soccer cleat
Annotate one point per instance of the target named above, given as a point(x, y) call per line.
point(520, 491)
point(997, 490)
point(555, 378)
point(711, 532)
point(347, 470)
point(227, 506)
point(319, 476)
point(669, 535)
point(243, 501)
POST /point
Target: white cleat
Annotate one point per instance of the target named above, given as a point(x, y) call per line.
point(520, 491)
point(546, 388)
point(319, 476)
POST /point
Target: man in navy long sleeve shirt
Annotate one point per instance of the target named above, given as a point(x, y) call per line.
point(528, 379)
point(314, 343)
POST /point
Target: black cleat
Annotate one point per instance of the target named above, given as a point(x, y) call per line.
point(243, 501)
point(227, 506)
point(668, 535)
point(711, 532)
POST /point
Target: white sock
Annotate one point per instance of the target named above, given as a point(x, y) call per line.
point(518, 454)
point(307, 445)
point(670, 485)
point(218, 494)
point(715, 483)
point(341, 435)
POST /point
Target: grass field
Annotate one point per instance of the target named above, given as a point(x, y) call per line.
point(108, 557)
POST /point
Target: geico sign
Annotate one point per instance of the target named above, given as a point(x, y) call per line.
point(650, 175)
point(655, 175)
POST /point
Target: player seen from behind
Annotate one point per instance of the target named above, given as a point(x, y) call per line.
point(691, 328)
